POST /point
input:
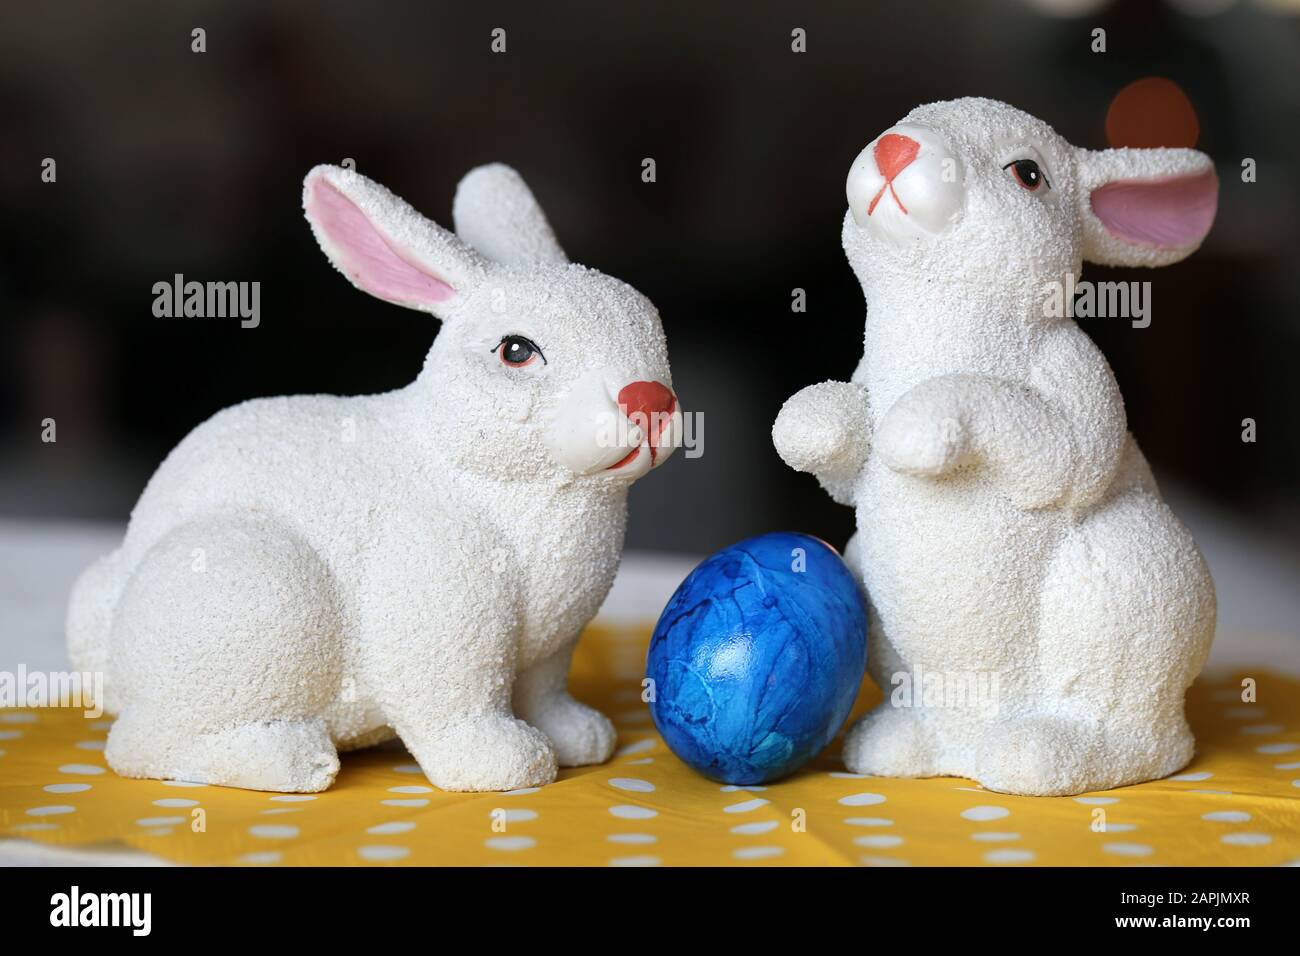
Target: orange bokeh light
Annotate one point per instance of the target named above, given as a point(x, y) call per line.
point(1152, 112)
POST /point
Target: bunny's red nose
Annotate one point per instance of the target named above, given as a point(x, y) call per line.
point(649, 406)
point(894, 152)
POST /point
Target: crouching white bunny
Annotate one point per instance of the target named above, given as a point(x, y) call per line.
point(1038, 611)
point(311, 574)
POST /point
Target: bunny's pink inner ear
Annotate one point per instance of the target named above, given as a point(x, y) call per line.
point(363, 253)
point(1167, 214)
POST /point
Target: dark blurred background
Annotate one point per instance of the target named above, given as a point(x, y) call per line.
point(173, 161)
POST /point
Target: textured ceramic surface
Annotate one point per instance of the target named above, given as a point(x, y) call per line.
point(1018, 558)
point(316, 573)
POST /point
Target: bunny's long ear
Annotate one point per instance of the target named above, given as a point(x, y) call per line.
point(1145, 207)
point(385, 247)
point(497, 214)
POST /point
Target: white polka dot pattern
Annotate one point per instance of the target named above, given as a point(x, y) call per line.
point(1237, 803)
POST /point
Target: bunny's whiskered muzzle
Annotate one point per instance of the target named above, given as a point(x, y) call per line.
point(619, 431)
point(906, 185)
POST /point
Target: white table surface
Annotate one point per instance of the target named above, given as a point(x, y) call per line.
point(1258, 583)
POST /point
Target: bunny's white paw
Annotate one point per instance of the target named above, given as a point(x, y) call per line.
point(1041, 756)
point(823, 427)
point(580, 735)
point(918, 438)
point(1055, 756)
point(487, 753)
point(890, 742)
point(288, 756)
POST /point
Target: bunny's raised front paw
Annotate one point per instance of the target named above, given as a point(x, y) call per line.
point(918, 437)
point(823, 428)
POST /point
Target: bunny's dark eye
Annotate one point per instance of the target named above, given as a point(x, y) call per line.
point(1026, 173)
point(517, 351)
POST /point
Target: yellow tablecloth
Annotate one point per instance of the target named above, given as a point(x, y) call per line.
point(1237, 804)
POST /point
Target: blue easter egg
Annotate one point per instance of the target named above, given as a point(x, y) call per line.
point(757, 658)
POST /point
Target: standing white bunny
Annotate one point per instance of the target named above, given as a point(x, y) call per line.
point(1008, 525)
point(310, 574)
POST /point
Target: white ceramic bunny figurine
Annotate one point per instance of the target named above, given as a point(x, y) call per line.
point(1010, 534)
point(311, 574)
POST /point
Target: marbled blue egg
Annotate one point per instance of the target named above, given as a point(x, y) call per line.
point(758, 657)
